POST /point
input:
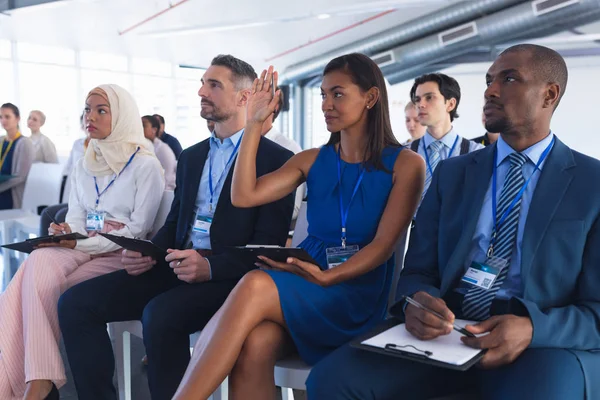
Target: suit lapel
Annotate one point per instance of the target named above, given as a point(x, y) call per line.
point(550, 189)
point(476, 183)
point(192, 184)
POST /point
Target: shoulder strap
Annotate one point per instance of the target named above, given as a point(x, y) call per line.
point(414, 146)
point(465, 145)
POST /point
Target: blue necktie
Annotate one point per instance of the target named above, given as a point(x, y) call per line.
point(477, 302)
point(434, 159)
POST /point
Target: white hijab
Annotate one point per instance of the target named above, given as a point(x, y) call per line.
point(109, 155)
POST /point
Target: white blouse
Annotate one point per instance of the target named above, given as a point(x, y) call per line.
point(168, 161)
point(45, 151)
point(132, 200)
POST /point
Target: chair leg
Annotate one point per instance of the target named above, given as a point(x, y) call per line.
point(287, 394)
point(122, 349)
point(222, 392)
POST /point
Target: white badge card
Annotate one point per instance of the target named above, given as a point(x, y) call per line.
point(202, 223)
point(339, 255)
point(483, 275)
point(94, 221)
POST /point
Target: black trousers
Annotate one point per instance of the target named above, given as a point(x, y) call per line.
point(170, 310)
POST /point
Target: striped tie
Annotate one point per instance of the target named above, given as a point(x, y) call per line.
point(434, 159)
point(477, 302)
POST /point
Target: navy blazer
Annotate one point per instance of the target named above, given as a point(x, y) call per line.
point(560, 263)
point(231, 226)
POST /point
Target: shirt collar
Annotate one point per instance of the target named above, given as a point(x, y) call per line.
point(533, 153)
point(232, 140)
point(448, 140)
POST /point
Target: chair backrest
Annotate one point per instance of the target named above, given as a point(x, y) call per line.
point(399, 264)
point(301, 228)
point(42, 187)
point(163, 211)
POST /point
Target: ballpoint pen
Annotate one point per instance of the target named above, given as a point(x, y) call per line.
point(457, 328)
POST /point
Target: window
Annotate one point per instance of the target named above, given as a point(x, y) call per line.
point(91, 78)
point(5, 49)
point(53, 90)
point(320, 134)
point(111, 62)
point(148, 66)
point(190, 126)
point(45, 54)
point(7, 82)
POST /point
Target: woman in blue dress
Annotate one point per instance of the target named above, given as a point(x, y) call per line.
point(363, 190)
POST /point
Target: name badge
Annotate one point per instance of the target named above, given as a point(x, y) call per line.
point(202, 223)
point(483, 275)
point(94, 221)
point(339, 255)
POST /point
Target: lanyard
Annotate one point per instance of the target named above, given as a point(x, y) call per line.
point(10, 145)
point(344, 213)
point(210, 167)
point(503, 217)
point(427, 155)
point(98, 193)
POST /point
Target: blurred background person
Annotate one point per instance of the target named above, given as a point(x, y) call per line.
point(16, 157)
point(45, 151)
point(168, 139)
point(413, 126)
point(163, 152)
point(488, 137)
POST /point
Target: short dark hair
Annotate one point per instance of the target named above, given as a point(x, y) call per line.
point(159, 118)
point(279, 105)
point(449, 88)
point(152, 120)
point(242, 73)
point(13, 108)
point(548, 65)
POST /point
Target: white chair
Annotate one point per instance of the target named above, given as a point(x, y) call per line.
point(42, 188)
point(291, 372)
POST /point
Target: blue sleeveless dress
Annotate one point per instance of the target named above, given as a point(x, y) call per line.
point(321, 319)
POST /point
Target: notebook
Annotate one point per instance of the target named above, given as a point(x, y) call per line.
point(445, 351)
point(31, 244)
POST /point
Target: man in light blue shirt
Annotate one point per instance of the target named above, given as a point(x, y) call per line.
point(512, 286)
point(437, 97)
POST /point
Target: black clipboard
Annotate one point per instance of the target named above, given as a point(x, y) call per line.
point(280, 254)
point(357, 343)
point(146, 247)
point(30, 245)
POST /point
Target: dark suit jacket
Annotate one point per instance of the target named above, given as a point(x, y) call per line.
point(267, 224)
point(560, 263)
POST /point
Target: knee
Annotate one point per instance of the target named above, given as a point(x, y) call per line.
point(71, 308)
point(156, 321)
point(255, 282)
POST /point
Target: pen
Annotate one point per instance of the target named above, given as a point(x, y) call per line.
point(55, 223)
point(457, 328)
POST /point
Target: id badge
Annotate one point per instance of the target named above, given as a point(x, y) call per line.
point(94, 221)
point(483, 275)
point(202, 223)
point(339, 255)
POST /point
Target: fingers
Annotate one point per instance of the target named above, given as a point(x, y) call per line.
point(139, 270)
point(131, 254)
point(484, 326)
point(178, 254)
point(261, 81)
point(430, 329)
point(254, 87)
point(493, 358)
point(490, 341)
point(436, 304)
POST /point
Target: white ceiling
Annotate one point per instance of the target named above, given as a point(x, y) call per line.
point(256, 31)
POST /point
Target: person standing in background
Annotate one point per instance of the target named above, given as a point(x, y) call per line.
point(162, 150)
point(45, 151)
point(413, 126)
point(16, 157)
point(77, 152)
point(487, 138)
point(168, 139)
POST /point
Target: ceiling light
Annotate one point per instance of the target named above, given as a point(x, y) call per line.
point(323, 16)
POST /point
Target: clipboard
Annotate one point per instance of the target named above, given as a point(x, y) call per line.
point(146, 247)
point(275, 253)
point(358, 343)
point(29, 245)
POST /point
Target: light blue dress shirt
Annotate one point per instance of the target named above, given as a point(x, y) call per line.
point(448, 141)
point(219, 154)
point(481, 240)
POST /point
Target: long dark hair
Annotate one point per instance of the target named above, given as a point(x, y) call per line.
point(13, 108)
point(366, 74)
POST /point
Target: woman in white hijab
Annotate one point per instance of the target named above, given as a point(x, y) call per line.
point(117, 187)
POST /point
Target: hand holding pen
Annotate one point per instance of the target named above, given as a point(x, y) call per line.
point(428, 317)
point(55, 228)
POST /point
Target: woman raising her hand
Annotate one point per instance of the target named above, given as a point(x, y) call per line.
point(363, 192)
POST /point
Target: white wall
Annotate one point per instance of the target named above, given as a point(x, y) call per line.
point(576, 121)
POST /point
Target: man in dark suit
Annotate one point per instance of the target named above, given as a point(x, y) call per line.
point(177, 296)
point(168, 139)
point(542, 310)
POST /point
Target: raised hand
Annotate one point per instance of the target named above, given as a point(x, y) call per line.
point(262, 103)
